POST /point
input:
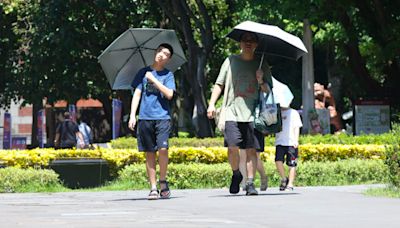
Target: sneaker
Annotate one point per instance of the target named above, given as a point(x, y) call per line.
point(235, 183)
point(284, 183)
point(264, 184)
point(251, 190)
point(289, 189)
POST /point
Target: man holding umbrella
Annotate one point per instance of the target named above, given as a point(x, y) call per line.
point(154, 86)
point(143, 59)
point(246, 79)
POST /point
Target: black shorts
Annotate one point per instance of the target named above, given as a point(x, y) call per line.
point(153, 135)
point(241, 134)
point(260, 141)
point(289, 152)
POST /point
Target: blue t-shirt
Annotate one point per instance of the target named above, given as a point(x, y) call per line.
point(153, 104)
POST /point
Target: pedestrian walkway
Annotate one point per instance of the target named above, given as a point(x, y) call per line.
point(343, 206)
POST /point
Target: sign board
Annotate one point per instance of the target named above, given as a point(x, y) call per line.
point(72, 112)
point(371, 117)
point(7, 131)
point(319, 121)
point(18, 143)
point(324, 120)
point(41, 127)
point(116, 117)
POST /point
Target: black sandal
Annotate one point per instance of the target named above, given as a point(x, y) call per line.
point(284, 183)
point(165, 193)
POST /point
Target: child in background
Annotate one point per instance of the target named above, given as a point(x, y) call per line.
point(287, 142)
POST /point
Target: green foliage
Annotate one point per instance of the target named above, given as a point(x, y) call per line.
point(130, 142)
point(50, 48)
point(194, 175)
point(59, 41)
point(182, 134)
point(29, 180)
point(197, 175)
point(391, 192)
point(381, 139)
point(343, 172)
point(393, 163)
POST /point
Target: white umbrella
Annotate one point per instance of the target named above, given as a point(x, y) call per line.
point(282, 94)
point(272, 39)
point(133, 50)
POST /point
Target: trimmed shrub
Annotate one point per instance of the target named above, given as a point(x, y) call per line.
point(393, 163)
point(195, 175)
point(381, 139)
point(28, 180)
point(119, 158)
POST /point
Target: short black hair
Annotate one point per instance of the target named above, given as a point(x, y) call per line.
point(251, 33)
point(67, 115)
point(167, 46)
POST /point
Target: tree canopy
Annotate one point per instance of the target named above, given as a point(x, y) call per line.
point(50, 48)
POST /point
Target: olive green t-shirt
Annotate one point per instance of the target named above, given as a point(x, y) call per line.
point(243, 91)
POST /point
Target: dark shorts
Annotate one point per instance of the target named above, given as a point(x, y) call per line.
point(289, 152)
point(153, 135)
point(260, 141)
point(241, 134)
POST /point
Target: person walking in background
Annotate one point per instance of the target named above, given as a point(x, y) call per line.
point(247, 78)
point(260, 163)
point(286, 143)
point(154, 86)
point(86, 132)
point(67, 133)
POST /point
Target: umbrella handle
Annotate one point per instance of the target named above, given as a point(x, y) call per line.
point(261, 62)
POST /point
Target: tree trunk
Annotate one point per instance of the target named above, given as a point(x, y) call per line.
point(202, 123)
point(308, 78)
point(50, 126)
point(184, 18)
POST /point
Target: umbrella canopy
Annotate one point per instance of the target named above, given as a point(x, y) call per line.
point(272, 39)
point(135, 49)
point(282, 94)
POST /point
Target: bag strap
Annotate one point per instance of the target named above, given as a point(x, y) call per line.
point(271, 92)
point(227, 84)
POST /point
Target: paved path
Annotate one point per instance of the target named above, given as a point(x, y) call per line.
point(305, 207)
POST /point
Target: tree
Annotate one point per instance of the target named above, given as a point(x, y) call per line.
point(359, 41)
point(57, 48)
point(194, 21)
point(9, 52)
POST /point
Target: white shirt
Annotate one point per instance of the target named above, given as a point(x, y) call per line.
point(291, 123)
point(86, 132)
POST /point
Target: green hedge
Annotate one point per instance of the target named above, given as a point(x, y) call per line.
point(195, 175)
point(382, 139)
point(119, 158)
point(393, 162)
point(29, 180)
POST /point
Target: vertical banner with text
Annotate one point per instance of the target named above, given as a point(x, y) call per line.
point(7, 131)
point(41, 134)
point(116, 117)
point(72, 112)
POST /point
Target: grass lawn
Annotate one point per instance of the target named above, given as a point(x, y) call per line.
point(391, 192)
